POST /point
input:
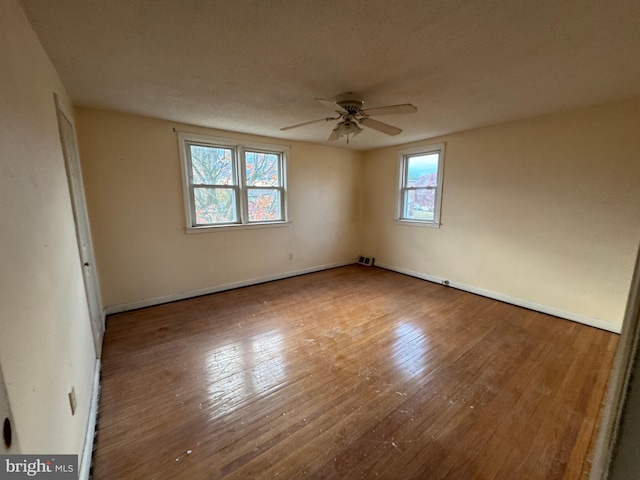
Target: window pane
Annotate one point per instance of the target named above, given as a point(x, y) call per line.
point(419, 204)
point(262, 169)
point(422, 170)
point(215, 205)
point(212, 165)
point(264, 204)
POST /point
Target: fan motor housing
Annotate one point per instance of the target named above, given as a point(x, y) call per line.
point(352, 102)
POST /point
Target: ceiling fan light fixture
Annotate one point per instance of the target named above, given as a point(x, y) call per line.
point(345, 128)
point(348, 128)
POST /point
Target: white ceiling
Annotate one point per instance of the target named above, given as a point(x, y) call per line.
point(256, 66)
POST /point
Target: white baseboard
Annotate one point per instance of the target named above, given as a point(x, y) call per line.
point(592, 322)
point(87, 451)
point(218, 288)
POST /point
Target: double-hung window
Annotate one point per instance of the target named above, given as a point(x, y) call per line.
point(420, 189)
point(229, 184)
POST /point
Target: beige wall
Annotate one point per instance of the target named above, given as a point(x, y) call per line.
point(45, 336)
point(134, 194)
point(544, 210)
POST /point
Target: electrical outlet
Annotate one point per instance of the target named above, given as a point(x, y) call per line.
point(72, 400)
point(290, 256)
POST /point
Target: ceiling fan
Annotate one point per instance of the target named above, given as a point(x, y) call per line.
point(351, 115)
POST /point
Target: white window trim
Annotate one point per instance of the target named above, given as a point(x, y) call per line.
point(184, 138)
point(402, 155)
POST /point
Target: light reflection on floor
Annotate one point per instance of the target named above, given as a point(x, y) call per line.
point(268, 369)
point(410, 349)
point(238, 370)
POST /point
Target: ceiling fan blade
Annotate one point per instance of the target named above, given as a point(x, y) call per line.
point(331, 104)
point(381, 127)
point(334, 135)
point(391, 109)
point(307, 123)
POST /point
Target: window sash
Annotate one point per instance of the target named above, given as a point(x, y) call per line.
point(247, 151)
point(406, 205)
point(234, 170)
point(279, 191)
point(235, 193)
point(234, 186)
point(279, 187)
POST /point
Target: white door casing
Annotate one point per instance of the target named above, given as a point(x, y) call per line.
point(83, 230)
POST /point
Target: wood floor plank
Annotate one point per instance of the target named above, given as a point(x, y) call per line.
point(354, 372)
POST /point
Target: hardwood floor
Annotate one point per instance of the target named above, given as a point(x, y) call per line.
point(354, 372)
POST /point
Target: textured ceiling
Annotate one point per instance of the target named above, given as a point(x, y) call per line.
point(256, 66)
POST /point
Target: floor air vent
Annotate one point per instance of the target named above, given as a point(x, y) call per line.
point(368, 261)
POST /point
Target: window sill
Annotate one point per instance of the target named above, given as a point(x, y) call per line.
point(228, 228)
point(410, 223)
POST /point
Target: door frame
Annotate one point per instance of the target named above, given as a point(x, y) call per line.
point(620, 382)
point(83, 228)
